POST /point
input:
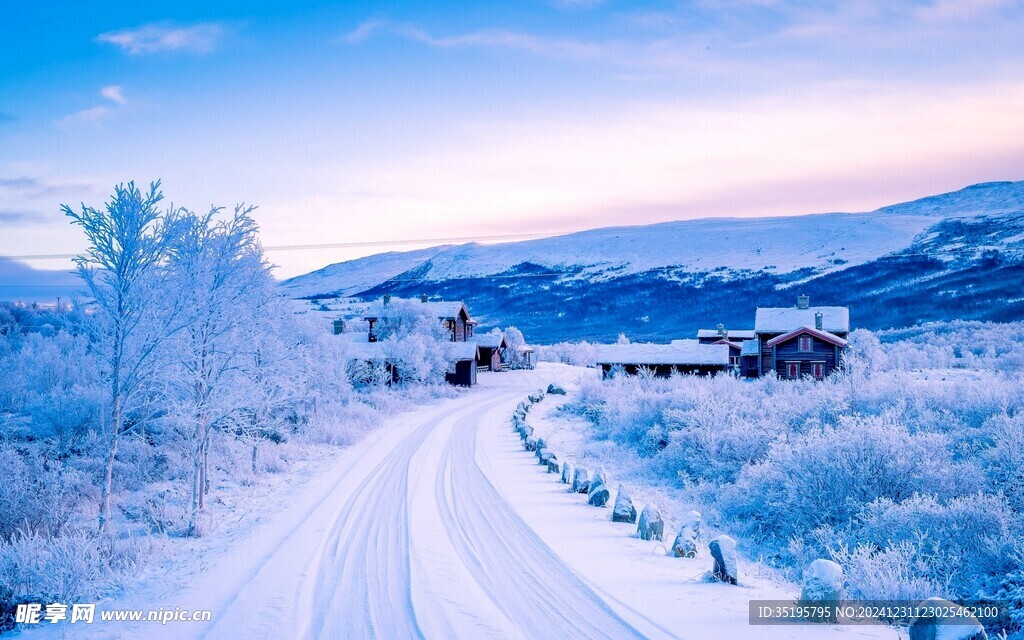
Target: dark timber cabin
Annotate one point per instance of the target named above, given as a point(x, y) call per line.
point(663, 360)
point(457, 323)
point(492, 350)
point(800, 341)
point(463, 369)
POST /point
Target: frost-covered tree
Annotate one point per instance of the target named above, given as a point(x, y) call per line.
point(415, 340)
point(224, 283)
point(122, 268)
point(515, 340)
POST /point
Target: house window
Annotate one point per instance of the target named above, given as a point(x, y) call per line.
point(819, 369)
point(806, 343)
point(792, 369)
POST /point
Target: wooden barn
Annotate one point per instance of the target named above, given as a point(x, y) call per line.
point(801, 341)
point(663, 360)
point(463, 368)
point(492, 350)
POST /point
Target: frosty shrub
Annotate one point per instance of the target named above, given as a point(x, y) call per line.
point(906, 467)
point(37, 495)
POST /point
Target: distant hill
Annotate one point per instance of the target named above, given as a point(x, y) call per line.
point(955, 255)
point(21, 283)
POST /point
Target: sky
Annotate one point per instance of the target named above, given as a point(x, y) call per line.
point(380, 123)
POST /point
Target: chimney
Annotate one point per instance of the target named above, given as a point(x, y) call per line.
point(423, 298)
point(721, 330)
point(803, 302)
point(819, 321)
point(387, 299)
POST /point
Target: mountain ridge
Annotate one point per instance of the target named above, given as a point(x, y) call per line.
point(962, 250)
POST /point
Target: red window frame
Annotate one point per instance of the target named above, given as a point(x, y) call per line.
point(805, 344)
point(792, 370)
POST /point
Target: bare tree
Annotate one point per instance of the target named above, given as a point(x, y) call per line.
point(122, 269)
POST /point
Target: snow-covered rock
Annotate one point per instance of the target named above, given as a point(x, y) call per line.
point(651, 526)
point(531, 443)
point(540, 446)
point(600, 476)
point(566, 473)
point(554, 389)
point(536, 396)
point(553, 464)
point(685, 545)
point(726, 568)
point(599, 494)
point(823, 582)
point(951, 628)
point(580, 480)
point(624, 510)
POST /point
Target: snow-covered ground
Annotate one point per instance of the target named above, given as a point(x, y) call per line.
point(439, 525)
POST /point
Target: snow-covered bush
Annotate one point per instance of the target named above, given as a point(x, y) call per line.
point(906, 468)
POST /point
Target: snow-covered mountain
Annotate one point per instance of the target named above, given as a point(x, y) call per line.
point(958, 254)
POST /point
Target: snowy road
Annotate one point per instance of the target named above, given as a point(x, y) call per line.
point(438, 525)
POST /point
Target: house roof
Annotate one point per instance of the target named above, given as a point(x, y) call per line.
point(821, 335)
point(444, 309)
point(490, 340)
point(680, 352)
point(365, 351)
point(732, 345)
point(784, 319)
point(463, 351)
point(750, 348)
point(732, 334)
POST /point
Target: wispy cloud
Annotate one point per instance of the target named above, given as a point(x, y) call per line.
point(155, 37)
point(944, 10)
point(485, 38)
point(28, 187)
point(114, 93)
point(21, 217)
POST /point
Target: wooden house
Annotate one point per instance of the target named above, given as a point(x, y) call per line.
point(800, 341)
point(662, 360)
point(454, 315)
point(492, 351)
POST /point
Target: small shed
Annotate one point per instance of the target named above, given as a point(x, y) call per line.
point(462, 372)
point(527, 356)
point(662, 360)
point(368, 364)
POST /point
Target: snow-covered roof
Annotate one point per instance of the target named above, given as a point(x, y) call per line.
point(489, 340)
point(732, 334)
point(444, 309)
point(365, 351)
point(683, 352)
point(463, 351)
point(523, 348)
point(750, 348)
point(786, 319)
point(822, 335)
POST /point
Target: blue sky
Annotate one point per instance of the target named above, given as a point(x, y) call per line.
point(356, 122)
